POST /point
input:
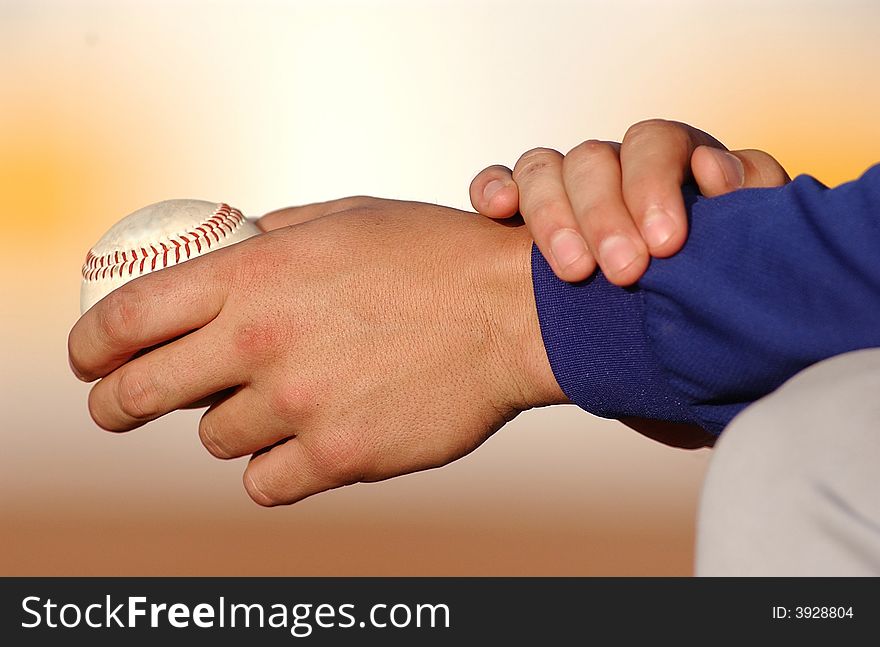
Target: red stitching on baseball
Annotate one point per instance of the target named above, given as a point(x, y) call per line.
point(220, 224)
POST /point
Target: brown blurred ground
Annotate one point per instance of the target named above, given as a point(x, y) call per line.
point(315, 547)
point(556, 492)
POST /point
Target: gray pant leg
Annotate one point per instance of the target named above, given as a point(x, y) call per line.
point(793, 487)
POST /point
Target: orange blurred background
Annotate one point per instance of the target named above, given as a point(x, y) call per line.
point(108, 106)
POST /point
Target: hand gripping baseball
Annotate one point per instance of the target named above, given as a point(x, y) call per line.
point(386, 338)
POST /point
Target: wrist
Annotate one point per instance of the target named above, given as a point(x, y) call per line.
point(525, 377)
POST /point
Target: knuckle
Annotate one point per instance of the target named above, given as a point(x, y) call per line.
point(590, 153)
point(355, 203)
point(649, 128)
point(551, 211)
point(254, 339)
point(119, 317)
point(533, 161)
point(340, 457)
point(657, 132)
point(291, 401)
point(137, 394)
point(212, 439)
point(768, 171)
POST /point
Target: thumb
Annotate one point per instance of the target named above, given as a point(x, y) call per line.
point(718, 171)
point(494, 193)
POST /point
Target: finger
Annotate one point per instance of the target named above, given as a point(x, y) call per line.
point(298, 468)
point(494, 193)
point(718, 172)
point(546, 210)
point(655, 160)
point(296, 215)
point(149, 310)
point(167, 378)
point(246, 422)
point(591, 172)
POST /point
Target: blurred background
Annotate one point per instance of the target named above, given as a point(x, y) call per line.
point(108, 106)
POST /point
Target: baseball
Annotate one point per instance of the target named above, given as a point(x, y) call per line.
point(155, 237)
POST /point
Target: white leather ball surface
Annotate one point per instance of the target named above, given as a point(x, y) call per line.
point(157, 236)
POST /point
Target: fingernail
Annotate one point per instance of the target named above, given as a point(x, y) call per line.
point(491, 189)
point(658, 227)
point(617, 253)
point(732, 167)
point(567, 246)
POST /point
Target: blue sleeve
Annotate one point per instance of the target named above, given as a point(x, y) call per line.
point(769, 282)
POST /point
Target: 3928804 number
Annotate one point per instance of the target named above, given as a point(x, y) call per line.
point(823, 612)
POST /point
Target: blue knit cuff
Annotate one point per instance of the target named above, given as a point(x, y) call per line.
point(595, 340)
